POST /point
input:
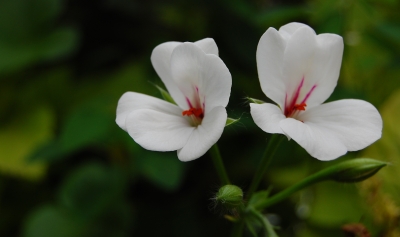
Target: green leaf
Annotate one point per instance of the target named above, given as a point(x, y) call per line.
point(22, 19)
point(20, 138)
point(50, 46)
point(89, 124)
point(334, 204)
point(165, 95)
point(388, 147)
point(50, 221)
point(258, 196)
point(92, 189)
point(162, 169)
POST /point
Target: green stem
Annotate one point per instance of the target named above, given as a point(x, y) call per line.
point(269, 229)
point(348, 171)
point(289, 191)
point(238, 229)
point(219, 165)
point(272, 146)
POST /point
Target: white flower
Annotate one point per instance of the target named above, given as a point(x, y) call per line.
point(298, 70)
point(200, 84)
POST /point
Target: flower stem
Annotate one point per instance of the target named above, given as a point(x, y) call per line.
point(238, 229)
point(348, 171)
point(272, 146)
point(289, 191)
point(219, 165)
point(268, 228)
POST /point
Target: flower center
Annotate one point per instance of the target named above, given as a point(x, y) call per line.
point(195, 114)
point(198, 113)
point(293, 107)
point(196, 107)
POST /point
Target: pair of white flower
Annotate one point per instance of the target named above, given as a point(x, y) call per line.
point(297, 69)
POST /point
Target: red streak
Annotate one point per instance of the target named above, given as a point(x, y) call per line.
point(292, 107)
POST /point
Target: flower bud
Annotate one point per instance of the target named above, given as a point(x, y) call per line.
point(357, 170)
point(230, 196)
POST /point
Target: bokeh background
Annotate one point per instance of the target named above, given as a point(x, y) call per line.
point(67, 170)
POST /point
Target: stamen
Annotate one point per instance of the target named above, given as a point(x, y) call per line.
point(193, 111)
point(301, 106)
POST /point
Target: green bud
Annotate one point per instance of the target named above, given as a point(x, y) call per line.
point(230, 196)
point(255, 101)
point(357, 170)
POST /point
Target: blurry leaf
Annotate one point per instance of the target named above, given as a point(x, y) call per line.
point(258, 196)
point(89, 124)
point(20, 138)
point(16, 55)
point(21, 19)
point(92, 189)
point(50, 221)
point(163, 169)
point(334, 204)
point(85, 127)
point(388, 147)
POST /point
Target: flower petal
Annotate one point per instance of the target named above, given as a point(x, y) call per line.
point(325, 69)
point(160, 58)
point(158, 131)
point(131, 101)
point(269, 56)
point(287, 30)
point(318, 141)
point(194, 70)
point(267, 117)
point(208, 45)
point(298, 60)
point(356, 123)
point(205, 135)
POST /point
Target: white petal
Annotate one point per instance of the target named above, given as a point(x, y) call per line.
point(160, 58)
point(356, 123)
point(318, 141)
point(298, 61)
point(131, 101)
point(267, 117)
point(158, 131)
point(269, 56)
point(205, 135)
point(208, 45)
point(192, 68)
point(287, 30)
point(325, 69)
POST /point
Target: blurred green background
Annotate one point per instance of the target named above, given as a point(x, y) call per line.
point(66, 168)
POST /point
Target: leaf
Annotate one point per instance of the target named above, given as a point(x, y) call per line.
point(165, 95)
point(162, 169)
point(89, 124)
point(20, 138)
point(22, 19)
point(91, 189)
point(50, 221)
point(334, 204)
point(258, 196)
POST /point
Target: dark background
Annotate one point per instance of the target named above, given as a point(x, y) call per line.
point(66, 168)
